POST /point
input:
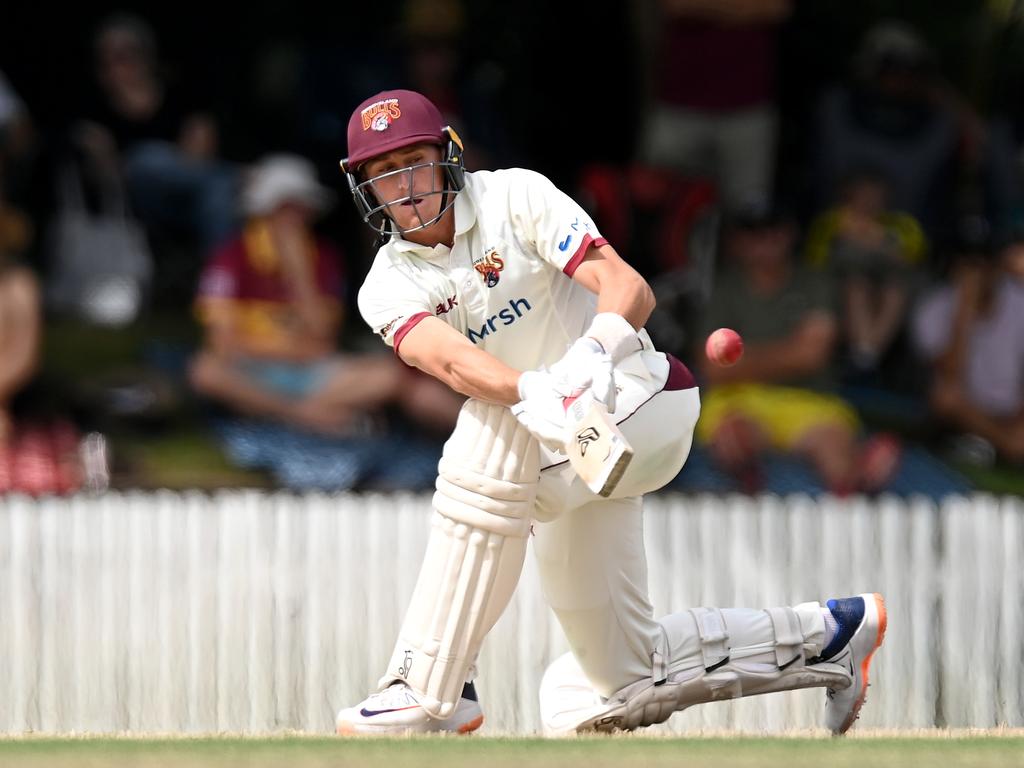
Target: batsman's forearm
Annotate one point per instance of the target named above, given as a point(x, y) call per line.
point(631, 297)
point(480, 375)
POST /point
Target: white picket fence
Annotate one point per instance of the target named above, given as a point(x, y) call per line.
point(252, 612)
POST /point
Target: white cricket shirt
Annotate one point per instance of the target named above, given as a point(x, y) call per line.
point(507, 282)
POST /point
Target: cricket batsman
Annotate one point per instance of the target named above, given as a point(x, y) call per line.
point(502, 287)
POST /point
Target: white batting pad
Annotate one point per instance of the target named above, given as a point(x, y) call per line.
point(486, 486)
point(712, 655)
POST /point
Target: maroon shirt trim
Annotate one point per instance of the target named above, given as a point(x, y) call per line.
point(581, 252)
point(407, 326)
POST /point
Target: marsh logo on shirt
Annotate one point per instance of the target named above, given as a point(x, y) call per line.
point(379, 115)
point(489, 266)
point(516, 308)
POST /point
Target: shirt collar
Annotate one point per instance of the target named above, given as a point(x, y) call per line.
point(465, 212)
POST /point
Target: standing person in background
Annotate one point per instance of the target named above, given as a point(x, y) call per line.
point(270, 303)
point(713, 107)
point(501, 287)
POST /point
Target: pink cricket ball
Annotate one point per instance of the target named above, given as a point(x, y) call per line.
point(724, 346)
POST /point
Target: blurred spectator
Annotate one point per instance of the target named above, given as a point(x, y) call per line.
point(899, 118)
point(972, 332)
point(871, 252)
point(713, 107)
point(139, 124)
point(269, 301)
point(777, 397)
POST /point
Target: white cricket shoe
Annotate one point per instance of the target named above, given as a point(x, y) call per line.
point(397, 711)
point(861, 621)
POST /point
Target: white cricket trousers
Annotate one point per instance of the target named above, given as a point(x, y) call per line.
point(593, 566)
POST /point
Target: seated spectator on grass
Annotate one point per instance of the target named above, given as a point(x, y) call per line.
point(777, 397)
point(972, 332)
point(270, 304)
point(871, 252)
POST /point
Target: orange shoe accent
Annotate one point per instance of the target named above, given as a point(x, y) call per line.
point(345, 730)
point(472, 725)
point(883, 620)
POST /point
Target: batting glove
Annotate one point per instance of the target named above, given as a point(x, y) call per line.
point(586, 364)
point(542, 407)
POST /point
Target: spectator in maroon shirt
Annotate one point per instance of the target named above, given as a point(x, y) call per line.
point(269, 301)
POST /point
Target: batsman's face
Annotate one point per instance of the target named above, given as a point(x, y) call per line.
point(409, 183)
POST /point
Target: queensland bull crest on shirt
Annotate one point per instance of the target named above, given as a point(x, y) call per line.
point(489, 266)
point(378, 116)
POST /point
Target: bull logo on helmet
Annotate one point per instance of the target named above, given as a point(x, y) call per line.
point(379, 115)
point(489, 268)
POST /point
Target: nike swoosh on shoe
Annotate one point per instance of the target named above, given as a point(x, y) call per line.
point(373, 712)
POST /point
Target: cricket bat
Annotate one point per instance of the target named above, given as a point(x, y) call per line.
point(596, 447)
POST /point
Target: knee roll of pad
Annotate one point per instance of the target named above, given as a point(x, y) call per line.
point(486, 486)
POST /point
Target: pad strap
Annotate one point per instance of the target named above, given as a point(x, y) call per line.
point(714, 637)
point(789, 637)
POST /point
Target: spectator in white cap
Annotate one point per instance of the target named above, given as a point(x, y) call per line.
point(270, 301)
point(278, 179)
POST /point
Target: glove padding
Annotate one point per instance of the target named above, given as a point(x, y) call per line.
point(542, 407)
point(587, 365)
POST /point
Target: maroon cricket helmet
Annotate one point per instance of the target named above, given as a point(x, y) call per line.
point(391, 120)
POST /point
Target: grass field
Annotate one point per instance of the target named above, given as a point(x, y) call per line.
point(996, 750)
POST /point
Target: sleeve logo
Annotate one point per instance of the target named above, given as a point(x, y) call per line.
point(387, 328)
point(575, 227)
